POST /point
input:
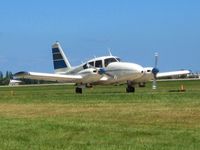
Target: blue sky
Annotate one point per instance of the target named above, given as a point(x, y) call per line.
point(87, 28)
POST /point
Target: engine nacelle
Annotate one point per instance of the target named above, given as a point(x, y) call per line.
point(90, 75)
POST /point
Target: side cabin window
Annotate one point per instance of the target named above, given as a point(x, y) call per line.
point(110, 60)
point(98, 64)
point(91, 63)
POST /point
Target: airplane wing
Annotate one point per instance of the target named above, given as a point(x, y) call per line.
point(48, 77)
point(172, 73)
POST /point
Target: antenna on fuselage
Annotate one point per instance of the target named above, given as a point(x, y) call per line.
point(109, 51)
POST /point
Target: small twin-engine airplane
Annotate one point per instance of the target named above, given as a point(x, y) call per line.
point(98, 71)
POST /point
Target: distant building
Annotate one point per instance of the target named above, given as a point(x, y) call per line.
point(193, 75)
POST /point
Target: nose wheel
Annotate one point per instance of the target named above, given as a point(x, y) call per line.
point(130, 89)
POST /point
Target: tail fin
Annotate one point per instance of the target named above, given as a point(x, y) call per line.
point(60, 61)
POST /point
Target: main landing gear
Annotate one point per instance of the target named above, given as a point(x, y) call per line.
point(130, 88)
point(79, 90)
point(80, 87)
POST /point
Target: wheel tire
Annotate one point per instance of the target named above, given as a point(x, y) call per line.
point(79, 90)
point(127, 90)
point(130, 89)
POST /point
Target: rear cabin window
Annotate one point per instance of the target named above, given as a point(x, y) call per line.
point(85, 66)
point(91, 63)
point(98, 64)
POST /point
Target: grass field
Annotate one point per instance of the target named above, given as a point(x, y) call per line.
point(53, 117)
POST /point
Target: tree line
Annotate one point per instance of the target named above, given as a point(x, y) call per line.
point(5, 79)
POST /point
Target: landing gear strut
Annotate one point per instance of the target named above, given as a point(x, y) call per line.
point(142, 84)
point(79, 90)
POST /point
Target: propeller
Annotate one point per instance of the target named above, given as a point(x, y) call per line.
point(102, 71)
point(155, 70)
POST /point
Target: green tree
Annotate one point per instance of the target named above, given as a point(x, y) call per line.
point(7, 78)
point(1, 75)
point(1, 78)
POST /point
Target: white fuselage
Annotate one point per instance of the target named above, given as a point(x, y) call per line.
point(123, 72)
point(116, 71)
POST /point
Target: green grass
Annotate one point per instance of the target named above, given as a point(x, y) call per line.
point(105, 117)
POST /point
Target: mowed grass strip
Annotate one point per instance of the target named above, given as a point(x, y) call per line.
point(103, 94)
point(99, 126)
point(53, 117)
point(188, 116)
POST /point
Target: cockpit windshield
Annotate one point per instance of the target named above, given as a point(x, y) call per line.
point(110, 60)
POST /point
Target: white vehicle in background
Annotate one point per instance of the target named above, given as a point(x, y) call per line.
point(99, 71)
point(14, 82)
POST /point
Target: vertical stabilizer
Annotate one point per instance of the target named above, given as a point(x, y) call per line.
point(60, 61)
